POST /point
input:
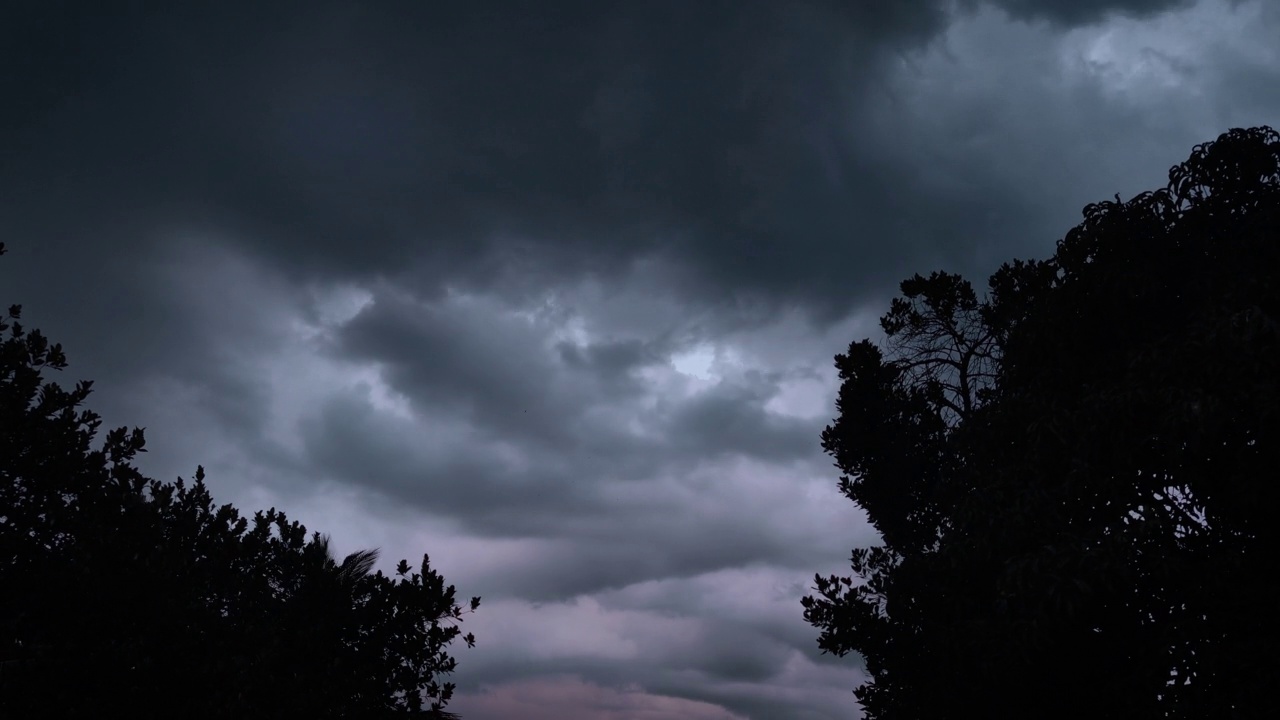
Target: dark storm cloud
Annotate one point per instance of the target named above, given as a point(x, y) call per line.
point(731, 418)
point(474, 363)
point(1071, 13)
point(584, 507)
point(134, 323)
point(358, 141)
point(673, 543)
point(665, 653)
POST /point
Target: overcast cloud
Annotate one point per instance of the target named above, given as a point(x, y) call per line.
point(551, 290)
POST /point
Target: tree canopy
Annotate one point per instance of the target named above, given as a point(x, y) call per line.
point(124, 596)
point(1073, 476)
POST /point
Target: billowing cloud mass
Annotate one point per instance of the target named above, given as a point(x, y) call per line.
point(550, 291)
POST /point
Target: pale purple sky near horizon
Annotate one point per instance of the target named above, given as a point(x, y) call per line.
point(551, 290)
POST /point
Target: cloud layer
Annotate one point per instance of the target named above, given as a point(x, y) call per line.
point(551, 291)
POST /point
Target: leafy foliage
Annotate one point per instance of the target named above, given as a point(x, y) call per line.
point(126, 596)
point(1072, 476)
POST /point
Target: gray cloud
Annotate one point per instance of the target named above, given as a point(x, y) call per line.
point(568, 412)
point(356, 143)
point(1082, 12)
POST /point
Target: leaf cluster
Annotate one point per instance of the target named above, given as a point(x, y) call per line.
point(122, 595)
point(1072, 475)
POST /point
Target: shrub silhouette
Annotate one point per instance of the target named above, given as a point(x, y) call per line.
point(1074, 476)
point(126, 596)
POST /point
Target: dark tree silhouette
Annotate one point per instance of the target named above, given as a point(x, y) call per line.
point(1073, 477)
point(122, 596)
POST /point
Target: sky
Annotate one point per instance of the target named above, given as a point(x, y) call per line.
point(551, 290)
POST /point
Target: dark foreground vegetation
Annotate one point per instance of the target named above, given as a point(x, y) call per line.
point(123, 596)
point(1075, 476)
